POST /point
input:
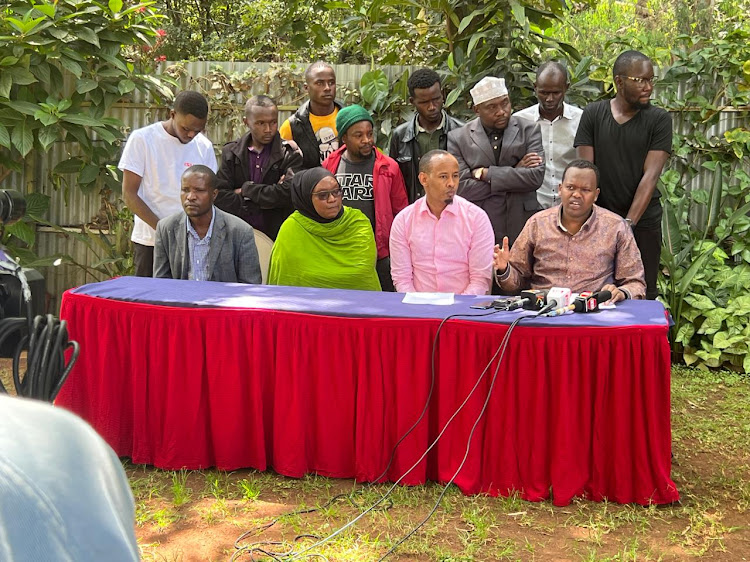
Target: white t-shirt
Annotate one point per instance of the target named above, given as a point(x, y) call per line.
point(160, 159)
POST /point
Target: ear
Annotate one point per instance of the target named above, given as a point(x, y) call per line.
point(596, 197)
point(214, 194)
point(475, 108)
point(306, 87)
point(411, 100)
point(422, 179)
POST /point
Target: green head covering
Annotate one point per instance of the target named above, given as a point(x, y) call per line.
point(350, 115)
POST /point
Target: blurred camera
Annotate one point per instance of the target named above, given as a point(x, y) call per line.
point(12, 206)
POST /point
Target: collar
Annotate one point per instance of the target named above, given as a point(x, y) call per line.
point(209, 232)
point(266, 149)
point(424, 208)
point(421, 129)
point(587, 224)
point(566, 114)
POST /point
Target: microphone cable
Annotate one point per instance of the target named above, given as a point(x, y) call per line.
point(47, 339)
point(501, 349)
point(262, 547)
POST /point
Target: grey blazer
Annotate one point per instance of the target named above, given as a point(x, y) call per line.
point(509, 197)
point(232, 256)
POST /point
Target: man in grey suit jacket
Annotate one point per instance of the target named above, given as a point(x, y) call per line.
point(501, 160)
point(205, 243)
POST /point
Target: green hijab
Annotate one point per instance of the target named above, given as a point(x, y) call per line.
point(339, 254)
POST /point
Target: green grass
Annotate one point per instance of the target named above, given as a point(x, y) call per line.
point(711, 442)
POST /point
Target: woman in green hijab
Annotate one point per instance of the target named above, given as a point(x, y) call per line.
point(323, 243)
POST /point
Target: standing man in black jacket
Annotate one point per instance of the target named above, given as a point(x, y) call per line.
point(313, 125)
point(256, 170)
point(426, 130)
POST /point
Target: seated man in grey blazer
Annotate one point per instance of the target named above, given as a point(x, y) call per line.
point(205, 243)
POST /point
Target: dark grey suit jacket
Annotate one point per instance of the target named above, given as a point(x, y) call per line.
point(232, 256)
point(509, 197)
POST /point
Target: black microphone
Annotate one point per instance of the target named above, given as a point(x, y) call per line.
point(591, 302)
point(533, 299)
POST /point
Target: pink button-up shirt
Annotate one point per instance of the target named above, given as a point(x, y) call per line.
point(450, 254)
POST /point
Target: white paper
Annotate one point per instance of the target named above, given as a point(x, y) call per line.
point(428, 298)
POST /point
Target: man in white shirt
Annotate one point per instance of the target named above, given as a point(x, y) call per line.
point(558, 122)
point(152, 164)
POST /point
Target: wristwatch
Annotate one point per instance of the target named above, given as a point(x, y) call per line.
point(630, 222)
point(478, 173)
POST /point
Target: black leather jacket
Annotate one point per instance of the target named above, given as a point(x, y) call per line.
point(405, 150)
point(303, 135)
point(271, 199)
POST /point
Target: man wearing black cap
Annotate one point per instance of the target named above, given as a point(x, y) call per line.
point(371, 181)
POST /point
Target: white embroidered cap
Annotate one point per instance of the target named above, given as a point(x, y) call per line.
point(488, 88)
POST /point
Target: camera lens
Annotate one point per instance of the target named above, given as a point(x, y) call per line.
point(12, 206)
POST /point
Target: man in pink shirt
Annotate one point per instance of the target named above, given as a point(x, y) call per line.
point(441, 242)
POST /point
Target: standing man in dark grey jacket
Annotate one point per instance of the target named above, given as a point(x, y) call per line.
point(500, 158)
point(256, 170)
point(426, 130)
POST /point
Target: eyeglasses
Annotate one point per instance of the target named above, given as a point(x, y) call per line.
point(323, 195)
point(641, 81)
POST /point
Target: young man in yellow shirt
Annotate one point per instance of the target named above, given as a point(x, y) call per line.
point(313, 125)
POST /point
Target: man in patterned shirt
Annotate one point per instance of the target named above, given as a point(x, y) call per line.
point(205, 243)
point(576, 244)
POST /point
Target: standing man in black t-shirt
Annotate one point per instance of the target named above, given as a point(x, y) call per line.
point(630, 141)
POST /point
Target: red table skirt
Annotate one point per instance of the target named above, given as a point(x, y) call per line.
point(574, 411)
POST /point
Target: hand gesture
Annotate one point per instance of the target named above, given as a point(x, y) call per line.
point(501, 256)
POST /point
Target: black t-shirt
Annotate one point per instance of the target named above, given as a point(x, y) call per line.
point(355, 179)
point(620, 152)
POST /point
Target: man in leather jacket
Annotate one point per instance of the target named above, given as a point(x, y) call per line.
point(426, 130)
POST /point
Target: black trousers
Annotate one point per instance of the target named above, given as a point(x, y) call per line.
point(649, 243)
point(143, 260)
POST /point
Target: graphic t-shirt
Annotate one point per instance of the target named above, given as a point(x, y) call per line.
point(324, 127)
point(355, 179)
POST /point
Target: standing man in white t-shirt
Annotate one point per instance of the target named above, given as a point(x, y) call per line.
point(152, 164)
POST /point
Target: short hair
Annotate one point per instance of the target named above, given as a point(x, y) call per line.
point(201, 170)
point(626, 60)
point(259, 101)
point(422, 78)
point(581, 164)
point(313, 66)
point(189, 102)
point(425, 163)
point(554, 66)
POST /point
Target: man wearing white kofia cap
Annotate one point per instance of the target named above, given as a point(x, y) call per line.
point(501, 159)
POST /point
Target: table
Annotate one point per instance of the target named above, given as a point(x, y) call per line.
point(198, 374)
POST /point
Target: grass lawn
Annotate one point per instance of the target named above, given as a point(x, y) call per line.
point(198, 515)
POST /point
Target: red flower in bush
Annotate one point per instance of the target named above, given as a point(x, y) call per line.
point(161, 33)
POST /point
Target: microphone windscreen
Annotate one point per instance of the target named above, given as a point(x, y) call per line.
point(603, 296)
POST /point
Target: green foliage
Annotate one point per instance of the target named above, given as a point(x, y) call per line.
point(63, 65)
point(706, 252)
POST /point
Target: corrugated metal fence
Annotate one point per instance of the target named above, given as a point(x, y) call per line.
point(229, 89)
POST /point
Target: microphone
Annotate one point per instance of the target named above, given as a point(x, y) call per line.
point(558, 297)
point(592, 302)
point(532, 299)
point(585, 302)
